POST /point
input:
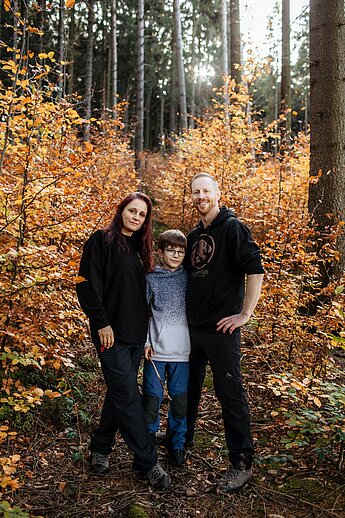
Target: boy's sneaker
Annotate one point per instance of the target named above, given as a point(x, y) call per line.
point(99, 463)
point(234, 479)
point(177, 457)
point(158, 478)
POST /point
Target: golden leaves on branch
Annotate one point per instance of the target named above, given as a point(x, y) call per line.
point(62, 189)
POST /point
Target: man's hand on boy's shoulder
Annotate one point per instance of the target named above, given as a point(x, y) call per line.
point(148, 352)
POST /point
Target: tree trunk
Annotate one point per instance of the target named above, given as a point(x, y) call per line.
point(327, 126)
point(61, 51)
point(225, 57)
point(126, 108)
point(285, 93)
point(15, 29)
point(40, 25)
point(224, 36)
point(106, 62)
point(173, 95)
point(180, 67)
point(108, 94)
point(192, 92)
point(161, 123)
point(89, 67)
point(148, 117)
point(113, 58)
point(235, 35)
point(71, 52)
point(139, 131)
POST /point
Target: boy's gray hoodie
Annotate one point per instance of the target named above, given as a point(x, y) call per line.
point(168, 332)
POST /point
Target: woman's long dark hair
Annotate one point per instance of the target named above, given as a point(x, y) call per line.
point(142, 237)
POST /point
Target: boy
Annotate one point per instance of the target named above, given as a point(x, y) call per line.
point(168, 344)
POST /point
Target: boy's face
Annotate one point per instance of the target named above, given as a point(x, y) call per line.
point(172, 257)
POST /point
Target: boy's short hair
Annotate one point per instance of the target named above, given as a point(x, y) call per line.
point(172, 237)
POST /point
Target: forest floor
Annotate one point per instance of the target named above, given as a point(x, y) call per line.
point(56, 480)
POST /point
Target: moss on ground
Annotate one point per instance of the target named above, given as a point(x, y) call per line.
point(208, 383)
point(202, 440)
point(136, 511)
point(310, 489)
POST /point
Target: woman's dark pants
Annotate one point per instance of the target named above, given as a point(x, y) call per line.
point(222, 351)
point(123, 409)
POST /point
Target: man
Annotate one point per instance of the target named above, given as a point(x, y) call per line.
point(224, 283)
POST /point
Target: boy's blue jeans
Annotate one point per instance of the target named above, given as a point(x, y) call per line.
point(176, 374)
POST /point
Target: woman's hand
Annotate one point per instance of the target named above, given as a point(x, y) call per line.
point(106, 336)
point(148, 352)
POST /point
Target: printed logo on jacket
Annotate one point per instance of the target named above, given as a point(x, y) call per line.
point(202, 251)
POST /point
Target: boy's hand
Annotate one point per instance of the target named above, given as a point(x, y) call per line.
point(148, 352)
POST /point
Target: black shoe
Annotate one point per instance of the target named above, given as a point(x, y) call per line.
point(158, 478)
point(99, 463)
point(177, 458)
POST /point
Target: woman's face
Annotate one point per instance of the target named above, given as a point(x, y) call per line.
point(133, 216)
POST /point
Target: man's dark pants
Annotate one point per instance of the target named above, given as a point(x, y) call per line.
point(123, 409)
point(222, 351)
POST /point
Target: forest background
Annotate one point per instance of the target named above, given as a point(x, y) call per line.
point(98, 99)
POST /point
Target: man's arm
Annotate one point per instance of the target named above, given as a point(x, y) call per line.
point(251, 297)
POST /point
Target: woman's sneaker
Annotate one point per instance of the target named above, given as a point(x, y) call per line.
point(234, 479)
point(99, 463)
point(158, 478)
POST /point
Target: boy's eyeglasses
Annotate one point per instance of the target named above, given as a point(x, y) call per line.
point(171, 251)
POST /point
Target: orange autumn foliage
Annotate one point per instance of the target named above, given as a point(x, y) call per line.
point(55, 191)
point(270, 194)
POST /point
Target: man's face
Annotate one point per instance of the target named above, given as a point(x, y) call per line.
point(205, 196)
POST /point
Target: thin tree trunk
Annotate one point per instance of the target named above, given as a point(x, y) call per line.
point(161, 122)
point(192, 92)
point(61, 51)
point(148, 117)
point(180, 67)
point(15, 30)
point(71, 52)
point(225, 57)
point(139, 133)
point(126, 110)
point(285, 94)
point(224, 33)
point(107, 80)
point(327, 127)
point(235, 34)
point(89, 68)
point(41, 22)
point(114, 58)
point(228, 32)
point(173, 107)
point(276, 116)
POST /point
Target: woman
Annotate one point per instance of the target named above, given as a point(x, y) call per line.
point(113, 296)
